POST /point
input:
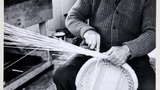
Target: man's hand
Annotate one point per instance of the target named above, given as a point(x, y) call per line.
point(118, 55)
point(92, 38)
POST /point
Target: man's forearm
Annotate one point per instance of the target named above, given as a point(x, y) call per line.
point(77, 16)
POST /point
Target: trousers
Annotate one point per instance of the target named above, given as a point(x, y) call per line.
point(64, 76)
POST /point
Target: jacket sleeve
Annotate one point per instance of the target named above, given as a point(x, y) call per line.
point(78, 14)
point(145, 43)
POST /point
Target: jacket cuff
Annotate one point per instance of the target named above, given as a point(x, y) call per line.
point(84, 30)
point(133, 49)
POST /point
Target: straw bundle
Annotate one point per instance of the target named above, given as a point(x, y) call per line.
point(21, 37)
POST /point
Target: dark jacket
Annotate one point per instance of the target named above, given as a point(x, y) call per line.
point(132, 23)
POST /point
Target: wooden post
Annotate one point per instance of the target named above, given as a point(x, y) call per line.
point(43, 28)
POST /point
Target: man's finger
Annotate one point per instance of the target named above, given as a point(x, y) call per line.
point(114, 60)
point(120, 64)
point(89, 42)
point(109, 52)
point(110, 57)
point(86, 41)
point(98, 43)
point(93, 44)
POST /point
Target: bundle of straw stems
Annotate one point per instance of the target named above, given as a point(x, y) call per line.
point(21, 37)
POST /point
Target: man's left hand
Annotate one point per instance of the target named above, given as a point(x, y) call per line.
point(118, 55)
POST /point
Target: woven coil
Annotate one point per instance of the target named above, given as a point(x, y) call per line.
point(105, 77)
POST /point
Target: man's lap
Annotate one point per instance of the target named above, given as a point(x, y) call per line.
point(144, 72)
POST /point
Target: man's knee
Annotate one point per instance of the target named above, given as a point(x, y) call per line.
point(63, 73)
point(59, 74)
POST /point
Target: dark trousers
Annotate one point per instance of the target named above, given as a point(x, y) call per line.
point(64, 76)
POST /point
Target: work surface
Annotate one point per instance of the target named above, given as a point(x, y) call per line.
point(44, 81)
point(41, 82)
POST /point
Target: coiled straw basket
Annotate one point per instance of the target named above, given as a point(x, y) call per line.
point(105, 76)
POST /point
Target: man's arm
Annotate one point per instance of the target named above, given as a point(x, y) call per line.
point(77, 16)
point(145, 43)
point(75, 22)
point(141, 45)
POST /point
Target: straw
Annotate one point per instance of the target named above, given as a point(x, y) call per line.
point(18, 36)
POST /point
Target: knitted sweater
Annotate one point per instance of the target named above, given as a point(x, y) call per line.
point(131, 23)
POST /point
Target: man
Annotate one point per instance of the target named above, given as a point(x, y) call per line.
point(122, 29)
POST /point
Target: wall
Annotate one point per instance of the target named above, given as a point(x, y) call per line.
point(60, 7)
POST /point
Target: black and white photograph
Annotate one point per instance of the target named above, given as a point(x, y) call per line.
point(79, 45)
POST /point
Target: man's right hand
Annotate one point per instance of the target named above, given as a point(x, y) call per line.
point(93, 39)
